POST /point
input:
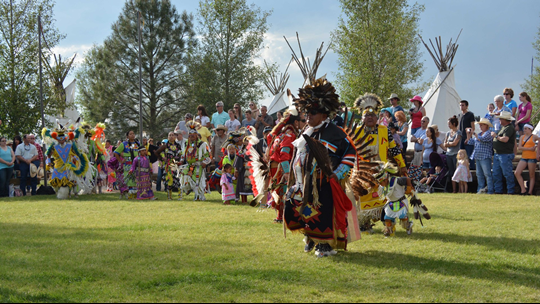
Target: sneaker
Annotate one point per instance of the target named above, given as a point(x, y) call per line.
point(309, 247)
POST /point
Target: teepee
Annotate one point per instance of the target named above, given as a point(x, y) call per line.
point(442, 100)
point(276, 85)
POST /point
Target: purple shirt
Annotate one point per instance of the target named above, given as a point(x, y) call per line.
point(523, 111)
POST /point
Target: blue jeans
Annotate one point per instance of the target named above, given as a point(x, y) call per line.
point(5, 176)
point(159, 179)
point(25, 174)
point(483, 173)
point(502, 166)
point(470, 150)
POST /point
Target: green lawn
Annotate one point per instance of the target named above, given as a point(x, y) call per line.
point(100, 249)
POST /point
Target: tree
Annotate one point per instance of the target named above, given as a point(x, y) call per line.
point(109, 77)
point(19, 78)
point(532, 83)
point(222, 67)
point(378, 47)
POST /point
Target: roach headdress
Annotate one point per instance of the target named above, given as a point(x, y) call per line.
point(319, 96)
point(369, 103)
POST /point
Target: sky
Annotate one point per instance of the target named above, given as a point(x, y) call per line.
point(495, 48)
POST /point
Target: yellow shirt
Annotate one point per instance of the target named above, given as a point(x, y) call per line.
point(205, 134)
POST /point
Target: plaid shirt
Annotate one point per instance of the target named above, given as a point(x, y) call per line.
point(39, 151)
point(483, 146)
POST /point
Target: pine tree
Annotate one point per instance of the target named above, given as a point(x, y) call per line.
point(109, 77)
point(378, 48)
point(222, 68)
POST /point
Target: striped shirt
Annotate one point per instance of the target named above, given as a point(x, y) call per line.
point(483, 146)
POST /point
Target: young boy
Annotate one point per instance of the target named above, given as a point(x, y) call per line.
point(142, 173)
point(430, 178)
point(248, 121)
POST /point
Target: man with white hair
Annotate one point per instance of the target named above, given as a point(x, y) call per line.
point(220, 117)
point(499, 107)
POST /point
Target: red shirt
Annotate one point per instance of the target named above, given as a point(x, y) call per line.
point(39, 151)
point(416, 120)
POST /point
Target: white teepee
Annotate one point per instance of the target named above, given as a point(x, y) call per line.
point(71, 114)
point(444, 101)
point(276, 85)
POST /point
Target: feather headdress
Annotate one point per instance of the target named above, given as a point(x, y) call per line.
point(320, 96)
point(193, 126)
point(368, 103)
point(386, 170)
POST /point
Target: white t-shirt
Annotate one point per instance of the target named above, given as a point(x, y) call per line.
point(232, 125)
point(204, 120)
point(26, 151)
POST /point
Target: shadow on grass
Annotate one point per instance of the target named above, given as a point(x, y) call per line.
point(11, 296)
point(403, 262)
point(497, 243)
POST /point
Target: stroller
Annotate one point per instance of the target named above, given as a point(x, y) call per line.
point(439, 184)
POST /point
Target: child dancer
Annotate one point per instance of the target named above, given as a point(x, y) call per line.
point(462, 174)
point(227, 189)
point(142, 171)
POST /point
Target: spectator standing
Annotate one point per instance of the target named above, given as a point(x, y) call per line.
point(27, 154)
point(338, 121)
point(466, 120)
point(524, 111)
point(203, 116)
point(279, 116)
point(32, 139)
point(482, 155)
point(254, 111)
point(249, 120)
point(417, 113)
point(499, 108)
point(403, 129)
point(220, 117)
point(529, 158)
point(430, 143)
point(509, 102)
point(179, 139)
point(489, 115)
point(394, 100)
point(238, 112)
point(217, 142)
point(204, 132)
point(7, 160)
point(452, 142)
point(17, 140)
point(420, 134)
point(504, 142)
point(263, 120)
point(181, 126)
point(232, 124)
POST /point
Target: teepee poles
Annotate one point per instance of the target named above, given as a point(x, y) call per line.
point(443, 61)
point(308, 69)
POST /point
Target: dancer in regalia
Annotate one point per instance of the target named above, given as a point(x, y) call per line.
point(381, 144)
point(68, 162)
point(125, 153)
point(195, 158)
point(141, 172)
point(320, 173)
point(172, 153)
point(395, 189)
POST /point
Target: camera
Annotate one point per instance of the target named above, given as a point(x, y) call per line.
point(260, 115)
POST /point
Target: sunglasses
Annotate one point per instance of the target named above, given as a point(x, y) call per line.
point(302, 120)
point(237, 107)
point(312, 112)
point(506, 94)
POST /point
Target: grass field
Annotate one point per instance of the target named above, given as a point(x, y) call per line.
point(101, 249)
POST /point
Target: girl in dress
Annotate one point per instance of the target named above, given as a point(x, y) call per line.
point(227, 189)
point(462, 174)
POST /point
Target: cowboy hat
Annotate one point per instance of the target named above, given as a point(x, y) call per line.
point(506, 116)
point(221, 127)
point(486, 121)
point(33, 170)
point(40, 173)
point(416, 98)
point(394, 95)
